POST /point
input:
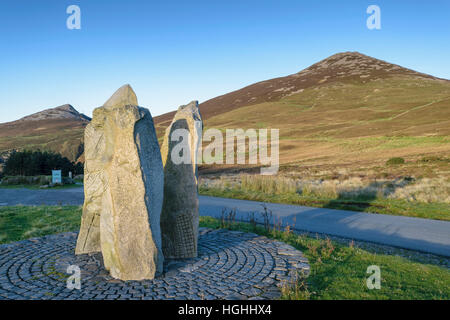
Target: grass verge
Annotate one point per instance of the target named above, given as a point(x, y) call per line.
point(437, 211)
point(23, 222)
point(339, 271)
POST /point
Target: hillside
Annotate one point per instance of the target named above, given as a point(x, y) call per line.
point(57, 129)
point(345, 66)
point(349, 110)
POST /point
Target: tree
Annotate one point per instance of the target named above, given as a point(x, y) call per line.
point(33, 163)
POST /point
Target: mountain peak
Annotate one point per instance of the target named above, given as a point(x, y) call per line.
point(65, 111)
point(67, 108)
point(347, 54)
point(353, 64)
point(350, 66)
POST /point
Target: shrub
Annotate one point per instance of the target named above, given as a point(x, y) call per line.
point(18, 180)
point(79, 178)
point(394, 161)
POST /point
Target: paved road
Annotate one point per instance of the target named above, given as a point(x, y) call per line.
point(412, 233)
point(31, 197)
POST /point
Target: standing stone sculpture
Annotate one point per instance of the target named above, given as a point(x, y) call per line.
point(179, 218)
point(123, 185)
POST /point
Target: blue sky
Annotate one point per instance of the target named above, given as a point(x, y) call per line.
point(172, 52)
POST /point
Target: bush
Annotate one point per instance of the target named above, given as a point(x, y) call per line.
point(67, 180)
point(32, 180)
point(396, 160)
point(18, 180)
point(78, 178)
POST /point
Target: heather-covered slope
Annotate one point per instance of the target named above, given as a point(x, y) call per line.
point(57, 129)
point(348, 109)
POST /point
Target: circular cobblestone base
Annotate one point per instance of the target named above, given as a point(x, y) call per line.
point(230, 265)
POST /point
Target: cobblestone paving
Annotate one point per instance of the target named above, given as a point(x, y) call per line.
point(231, 265)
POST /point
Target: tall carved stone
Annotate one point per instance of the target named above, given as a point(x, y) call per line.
point(123, 185)
point(179, 218)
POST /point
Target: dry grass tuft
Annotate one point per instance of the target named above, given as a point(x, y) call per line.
point(427, 190)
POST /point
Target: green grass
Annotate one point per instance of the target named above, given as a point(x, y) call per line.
point(438, 211)
point(339, 271)
point(23, 222)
